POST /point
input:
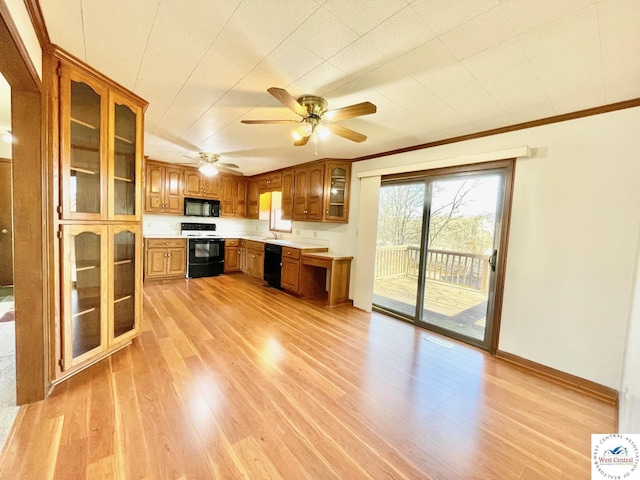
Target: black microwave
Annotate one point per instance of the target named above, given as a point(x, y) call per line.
point(198, 207)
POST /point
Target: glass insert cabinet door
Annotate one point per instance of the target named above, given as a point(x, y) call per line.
point(84, 126)
point(337, 179)
point(125, 162)
point(84, 309)
point(126, 278)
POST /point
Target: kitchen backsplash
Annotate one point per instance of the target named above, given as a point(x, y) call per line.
point(170, 225)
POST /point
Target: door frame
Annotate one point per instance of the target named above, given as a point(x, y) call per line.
point(508, 165)
point(32, 227)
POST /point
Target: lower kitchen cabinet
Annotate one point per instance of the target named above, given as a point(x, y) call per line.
point(255, 259)
point(295, 278)
point(101, 288)
point(290, 273)
point(165, 258)
point(242, 255)
point(231, 255)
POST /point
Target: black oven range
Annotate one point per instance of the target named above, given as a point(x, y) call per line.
point(205, 250)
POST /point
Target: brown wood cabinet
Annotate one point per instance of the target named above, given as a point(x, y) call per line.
point(242, 255)
point(337, 181)
point(201, 186)
point(234, 196)
point(163, 189)
point(296, 279)
point(231, 255)
point(308, 193)
point(290, 273)
point(318, 192)
point(165, 258)
point(99, 161)
point(255, 259)
point(270, 182)
point(288, 177)
point(253, 198)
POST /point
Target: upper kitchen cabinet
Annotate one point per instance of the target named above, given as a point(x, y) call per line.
point(100, 148)
point(308, 188)
point(253, 198)
point(317, 192)
point(163, 189)
point(337, 178)
point(270, 182)
point(199, 185)
point(234, 196)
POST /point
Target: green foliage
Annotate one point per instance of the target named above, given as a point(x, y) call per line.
point(401, 209)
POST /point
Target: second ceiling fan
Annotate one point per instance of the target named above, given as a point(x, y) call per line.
point(316, 119)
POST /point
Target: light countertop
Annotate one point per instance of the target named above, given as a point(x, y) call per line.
point(262, 239)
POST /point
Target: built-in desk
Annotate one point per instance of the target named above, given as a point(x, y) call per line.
point(338, 269)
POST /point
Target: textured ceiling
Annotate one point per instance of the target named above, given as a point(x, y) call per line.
point(434, 68)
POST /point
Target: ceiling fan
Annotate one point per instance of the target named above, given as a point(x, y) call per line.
point(316, 119)
point(209, 164)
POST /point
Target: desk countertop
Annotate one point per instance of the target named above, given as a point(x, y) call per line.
point(328, 255)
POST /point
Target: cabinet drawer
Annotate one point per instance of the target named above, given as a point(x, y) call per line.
point(288, 252)
point(251, 245)
point(231, 242)
point(166, 242)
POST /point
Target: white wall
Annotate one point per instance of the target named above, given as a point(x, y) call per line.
point(574, 224)
point(629, 417)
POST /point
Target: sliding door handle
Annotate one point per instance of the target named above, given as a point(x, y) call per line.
point(493, 260)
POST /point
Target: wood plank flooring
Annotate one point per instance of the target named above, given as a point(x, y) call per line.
point(231, 380)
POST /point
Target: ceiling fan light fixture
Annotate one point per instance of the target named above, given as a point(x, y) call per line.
point(208, 170)
point(302, 131)
point(322, 132)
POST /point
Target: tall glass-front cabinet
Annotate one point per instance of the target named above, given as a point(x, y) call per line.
point(99, 214)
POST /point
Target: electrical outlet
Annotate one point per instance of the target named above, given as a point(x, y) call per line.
point(298, 232)
point(315, 234)
point(148, 224)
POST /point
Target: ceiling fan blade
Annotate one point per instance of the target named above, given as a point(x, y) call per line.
point(345, 132)
point(302, 141)
point(357, 110)
point(273, 122)
point(286, 99)
point(227, 165)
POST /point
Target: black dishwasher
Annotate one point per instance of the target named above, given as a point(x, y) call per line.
point(272, 264)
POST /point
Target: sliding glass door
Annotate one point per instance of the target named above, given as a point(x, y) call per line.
point(438, 244)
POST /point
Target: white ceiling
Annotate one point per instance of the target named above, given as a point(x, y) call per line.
point(434, 68)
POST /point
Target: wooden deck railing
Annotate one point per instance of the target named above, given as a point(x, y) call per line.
point(464, 269)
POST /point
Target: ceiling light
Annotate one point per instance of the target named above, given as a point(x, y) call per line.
point(322, 132)
point(302, 131)
point(208, 170)
point(7, 137)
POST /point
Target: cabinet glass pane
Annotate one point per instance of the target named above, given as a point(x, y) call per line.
point(85, 292)
point(85, 149)
point(336, 193)
point(124, 269)
point(125, 161)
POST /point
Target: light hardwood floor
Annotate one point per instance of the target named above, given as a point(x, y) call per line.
point(231, 379)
